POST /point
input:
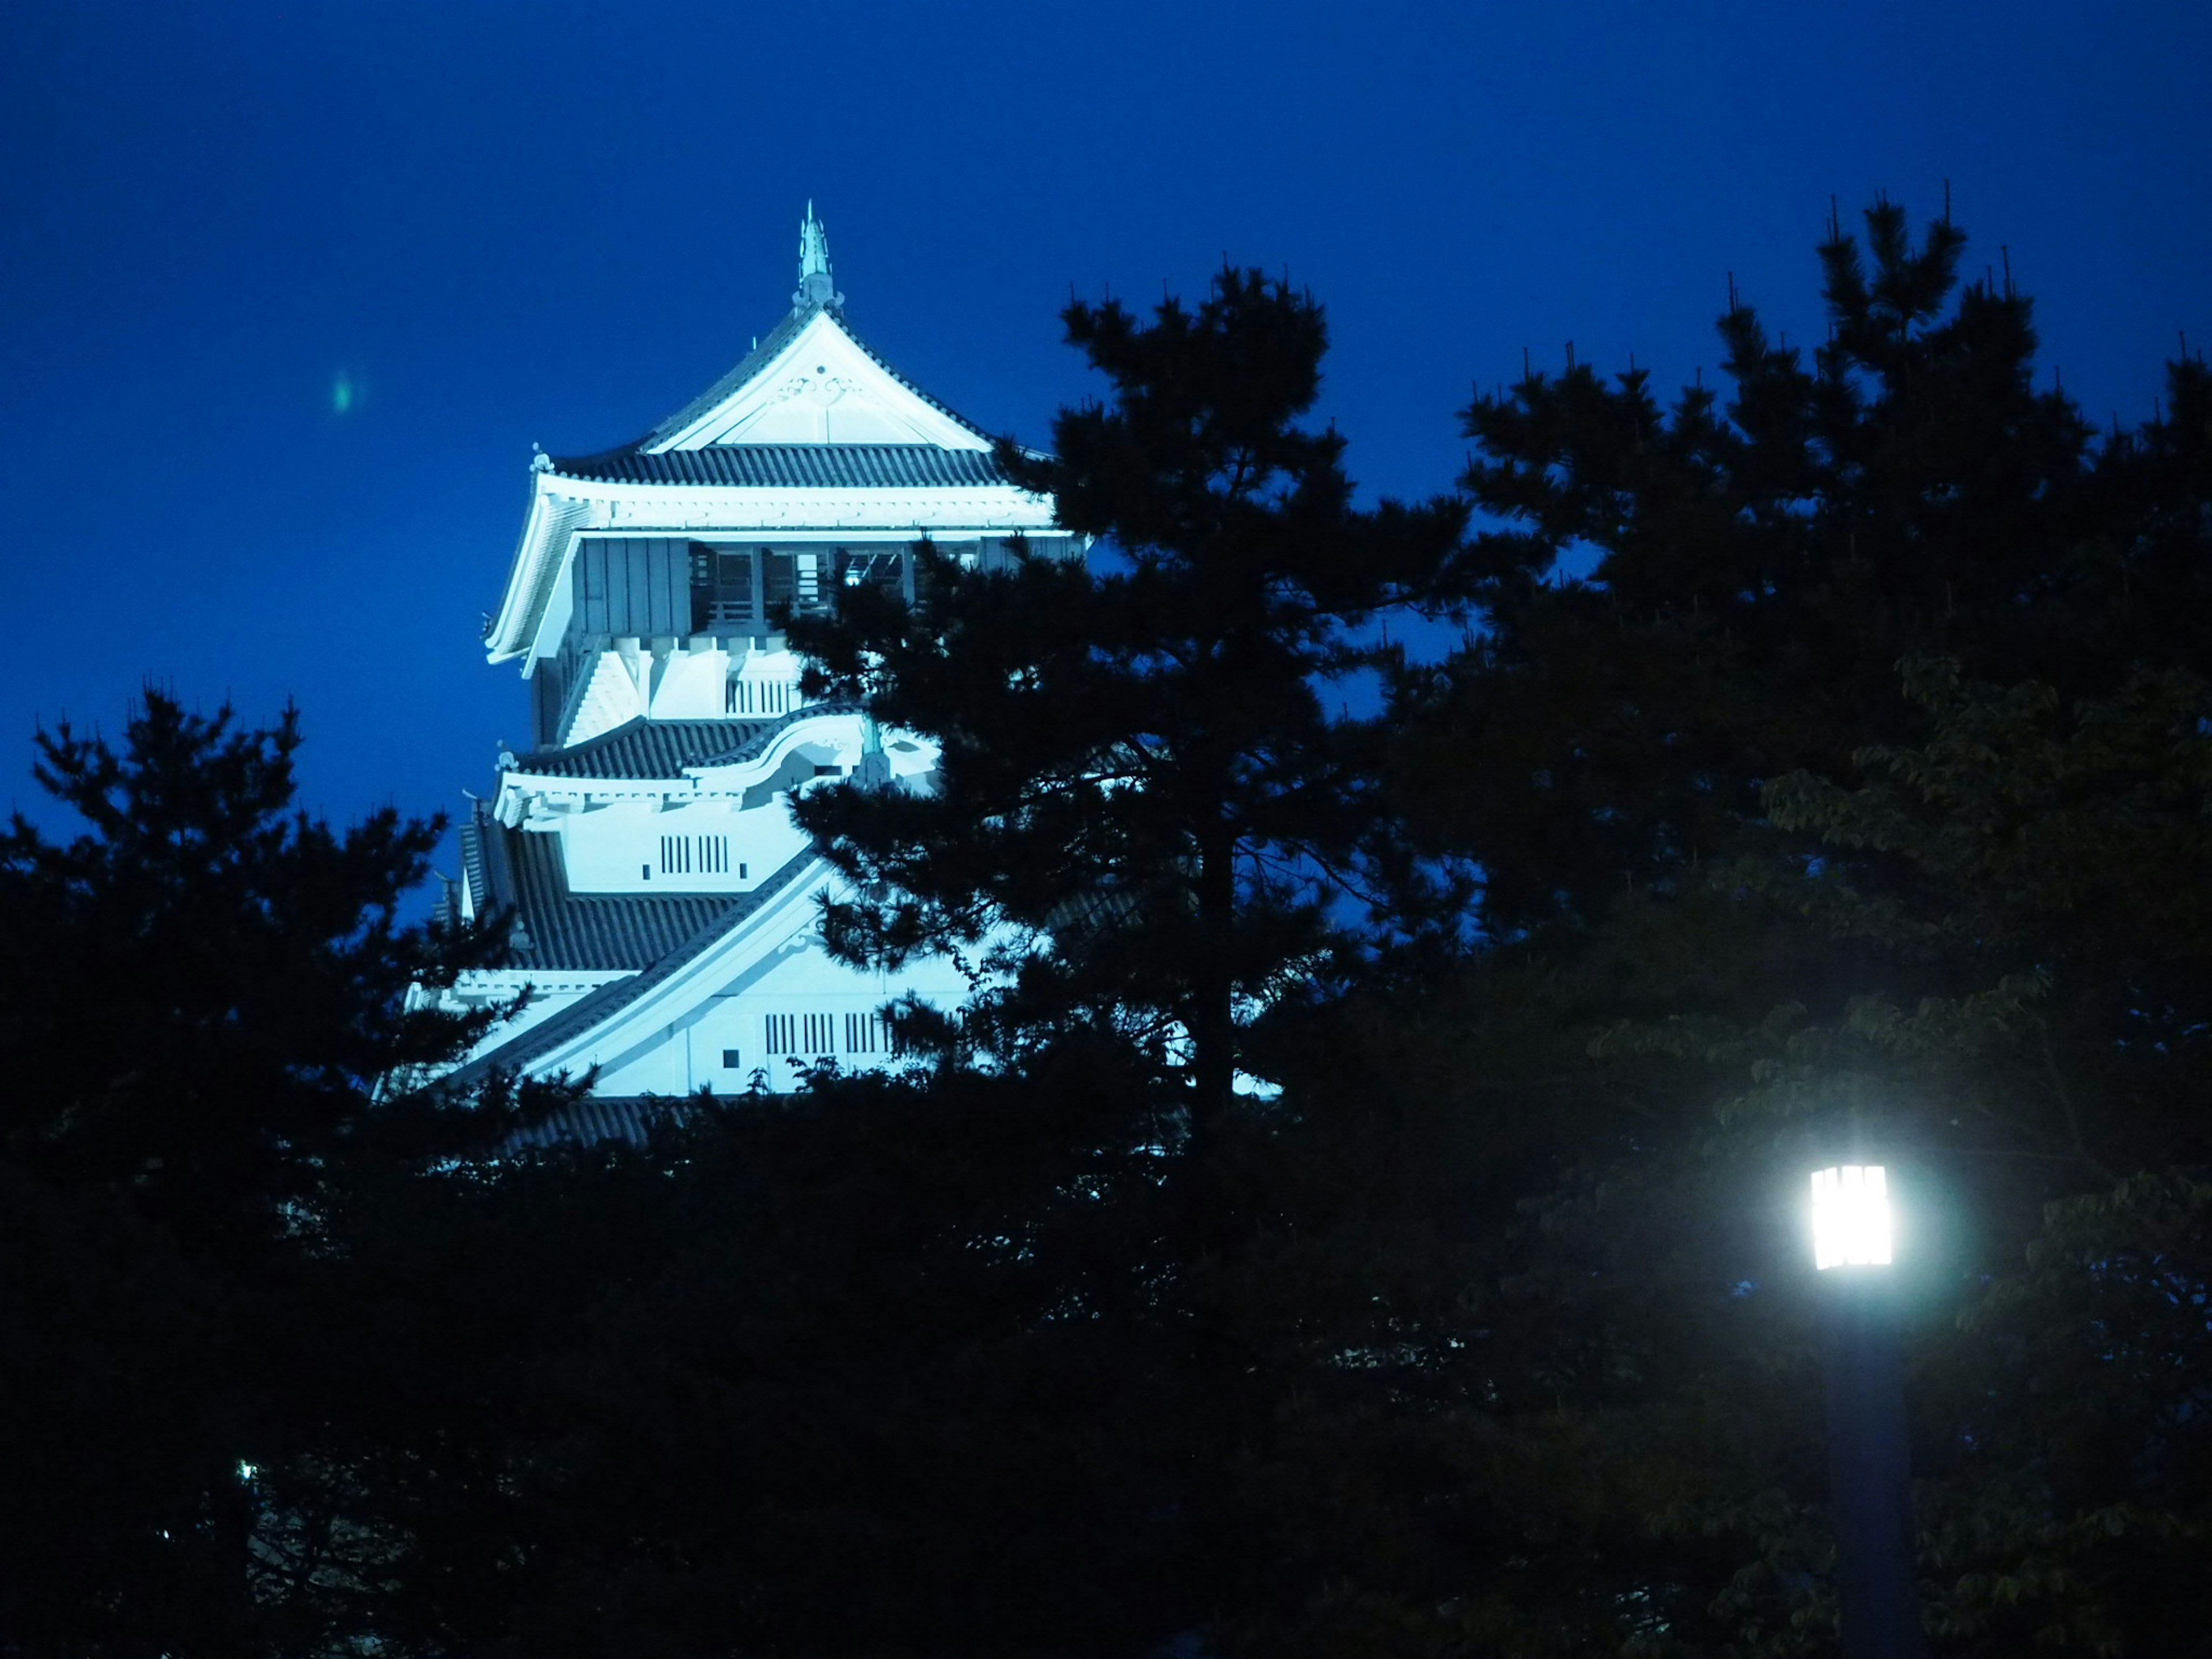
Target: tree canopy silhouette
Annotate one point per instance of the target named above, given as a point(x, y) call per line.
point(1855, 794)
point(201, 995)
point(1144, 810)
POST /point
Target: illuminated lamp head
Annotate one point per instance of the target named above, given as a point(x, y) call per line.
point(1851, 1216)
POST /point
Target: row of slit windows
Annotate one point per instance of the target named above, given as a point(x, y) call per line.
point(760, 698)
point(809, 1036)
point(685, 855)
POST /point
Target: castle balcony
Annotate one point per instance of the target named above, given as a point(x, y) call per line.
point(676, 629)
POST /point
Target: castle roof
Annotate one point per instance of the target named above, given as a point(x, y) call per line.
point(559, 931)
point(812, 430)
point(644, 747)
point(792, 466)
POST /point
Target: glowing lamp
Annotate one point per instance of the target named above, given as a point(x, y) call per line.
point(1851, 1216)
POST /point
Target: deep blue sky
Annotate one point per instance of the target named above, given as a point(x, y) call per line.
point(550, 222)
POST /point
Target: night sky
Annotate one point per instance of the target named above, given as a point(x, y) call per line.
point(289, 291)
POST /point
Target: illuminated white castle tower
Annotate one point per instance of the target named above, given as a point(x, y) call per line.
point(664, 906)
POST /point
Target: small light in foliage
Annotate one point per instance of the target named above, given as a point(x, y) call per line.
point(1851, 1216)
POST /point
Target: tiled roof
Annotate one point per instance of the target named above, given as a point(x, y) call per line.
point(794, 466)
point(598, 1118)
point(472, 866)
point(556, 928)
point(753, 747)
point(641, 748)
point(646, 748)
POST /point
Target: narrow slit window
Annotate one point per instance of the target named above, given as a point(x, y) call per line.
point(801, 1036)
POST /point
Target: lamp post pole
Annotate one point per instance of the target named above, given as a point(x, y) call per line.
point(1869, 1462)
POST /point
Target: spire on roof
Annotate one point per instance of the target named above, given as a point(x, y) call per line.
point(817, 292)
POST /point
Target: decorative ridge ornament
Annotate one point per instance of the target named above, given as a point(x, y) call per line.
point(817, 291)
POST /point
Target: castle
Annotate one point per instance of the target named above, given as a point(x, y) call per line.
point(664, 906)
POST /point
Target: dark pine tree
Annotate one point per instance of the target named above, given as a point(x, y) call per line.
point(201, 995)
point(1754, 895)
point(1752, 571)
point(1146, 810)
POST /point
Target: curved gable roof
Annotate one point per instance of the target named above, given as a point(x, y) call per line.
point(813, 355)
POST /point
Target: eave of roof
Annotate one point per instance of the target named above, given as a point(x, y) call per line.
point(640, 748)
point(793, 466)
point(644, 748)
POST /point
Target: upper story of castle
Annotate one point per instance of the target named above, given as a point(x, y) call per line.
point(650, 579)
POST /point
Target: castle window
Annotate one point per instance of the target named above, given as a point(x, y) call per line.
point(684, 855)
point(868, 1034)
point(801, 1036)
point(790, 583)
point(779, 583)
point(743, 696)
point(721, 588)
point(730, 1060)
point(870, 567)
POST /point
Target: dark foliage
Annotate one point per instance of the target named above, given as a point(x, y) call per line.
point(1759, 899)
point(1855, 802)
point(197, 996)
point(1146, 808)
point(1758, 568)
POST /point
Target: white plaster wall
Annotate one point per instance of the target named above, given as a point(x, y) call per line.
point(766, 684)
point(610, 698)
point(686, 1055)
point(616, 848)
point(687, 685)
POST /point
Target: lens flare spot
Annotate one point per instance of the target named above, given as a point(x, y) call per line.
point(344, 394)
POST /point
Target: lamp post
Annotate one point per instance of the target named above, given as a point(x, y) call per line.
point(1870, 1465)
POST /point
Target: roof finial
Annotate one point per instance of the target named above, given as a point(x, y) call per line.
point(817, 292)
